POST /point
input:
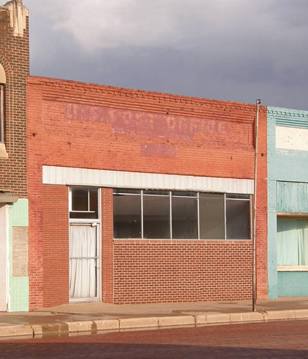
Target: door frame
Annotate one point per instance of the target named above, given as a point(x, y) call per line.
point(90, 222)
point(4, 248)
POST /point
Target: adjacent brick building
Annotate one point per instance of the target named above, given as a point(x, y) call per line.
point(14, 69)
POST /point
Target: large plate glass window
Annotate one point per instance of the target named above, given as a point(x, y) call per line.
point(156, 214)
point(238, 216)
point(184, 215)
point(212, 216)
point(127, 213)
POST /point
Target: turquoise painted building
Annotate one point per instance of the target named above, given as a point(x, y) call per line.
point(287, 202)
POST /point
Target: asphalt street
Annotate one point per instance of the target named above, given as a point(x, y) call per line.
point(287, 339)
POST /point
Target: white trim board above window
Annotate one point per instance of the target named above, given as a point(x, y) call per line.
point(292, 268)
point(288, 138)
point(120, 179)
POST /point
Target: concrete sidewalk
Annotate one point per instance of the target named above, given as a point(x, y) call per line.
point(93, 318)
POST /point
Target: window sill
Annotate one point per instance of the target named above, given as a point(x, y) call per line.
point(178, 240)
point(3, 153)
point(292, 268)
point(292, 214)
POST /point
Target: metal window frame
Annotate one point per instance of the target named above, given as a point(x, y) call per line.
point(225, 215)
point(170, 216)
point(198, 215)
point(141, 214)
point(197, 197)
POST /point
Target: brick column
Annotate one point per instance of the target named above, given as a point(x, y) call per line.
point(107, 245)
point(261, 245)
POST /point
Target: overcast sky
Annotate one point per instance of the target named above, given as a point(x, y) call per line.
point(225, 49)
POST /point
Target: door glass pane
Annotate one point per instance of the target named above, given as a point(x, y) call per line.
point(80, 200)
point(212, 217)
point(238, 219)
point(184, 218)
point(93, 200)
point(156, 217)
point(127, 216)
point(84, 203)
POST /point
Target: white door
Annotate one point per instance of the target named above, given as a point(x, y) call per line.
point(83, 262)
point(3, 258)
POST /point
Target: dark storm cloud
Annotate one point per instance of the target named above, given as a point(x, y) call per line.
point(228, 49)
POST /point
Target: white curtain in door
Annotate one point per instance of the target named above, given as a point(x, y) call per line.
point(83, 253)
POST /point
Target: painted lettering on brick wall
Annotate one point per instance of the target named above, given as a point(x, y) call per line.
point(170, 127)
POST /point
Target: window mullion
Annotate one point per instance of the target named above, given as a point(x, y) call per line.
point(198, 213)
point(142, 228)
point(170, 201)
point(70, 200)
point(225, 214)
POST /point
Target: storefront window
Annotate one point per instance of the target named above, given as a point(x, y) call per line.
point(154, 214)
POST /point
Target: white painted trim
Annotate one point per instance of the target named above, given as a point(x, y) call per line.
point(119, 179)
point(289, 138)
point(292, 268)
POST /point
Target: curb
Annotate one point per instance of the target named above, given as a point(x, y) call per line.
point(101, 326)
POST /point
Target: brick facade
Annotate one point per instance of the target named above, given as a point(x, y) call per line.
point(182, 271)
point(14, 57)
point(72, 124)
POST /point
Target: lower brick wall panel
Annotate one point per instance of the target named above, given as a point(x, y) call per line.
point(186, 271)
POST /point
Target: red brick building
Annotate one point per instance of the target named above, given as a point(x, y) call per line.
point(139, 197)
point(134, 196)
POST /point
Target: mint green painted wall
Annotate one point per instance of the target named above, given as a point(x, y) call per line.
point(292, 284)
point(285, 166)
point(18, 286)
